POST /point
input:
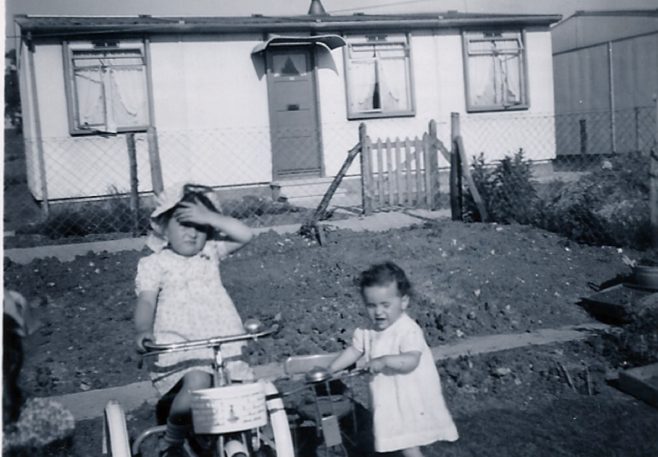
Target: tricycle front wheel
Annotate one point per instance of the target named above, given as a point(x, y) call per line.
point(116, 442)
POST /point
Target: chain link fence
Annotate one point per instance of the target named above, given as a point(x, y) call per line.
point(596, 190)
point(584, 175)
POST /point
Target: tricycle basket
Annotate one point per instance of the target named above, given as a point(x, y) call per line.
point(229, 409)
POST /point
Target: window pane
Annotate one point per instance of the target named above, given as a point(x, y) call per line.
point(495, 70)
point(364, 90)
point(89, 91)
point(481, 82)
point(289, 64)
point(128, 99)
point(110, 88)
point(378, 78)
point(511, 73)
point(393, 85)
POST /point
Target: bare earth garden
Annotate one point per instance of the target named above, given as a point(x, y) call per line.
point(470, 279)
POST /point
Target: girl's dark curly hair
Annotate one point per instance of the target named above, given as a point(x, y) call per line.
point(385, 273)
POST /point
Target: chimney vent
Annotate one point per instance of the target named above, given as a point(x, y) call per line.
point(317, 9)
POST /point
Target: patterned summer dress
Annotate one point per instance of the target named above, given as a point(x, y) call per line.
point(192, 304)
point(408, 409)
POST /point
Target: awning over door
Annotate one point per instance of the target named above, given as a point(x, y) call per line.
point(328, 41)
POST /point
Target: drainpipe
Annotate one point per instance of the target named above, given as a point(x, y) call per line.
point(41, 161)
point(613, 133)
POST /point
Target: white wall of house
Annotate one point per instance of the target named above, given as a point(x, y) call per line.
point(211, 112)
point(82, 166)
point(498, 134)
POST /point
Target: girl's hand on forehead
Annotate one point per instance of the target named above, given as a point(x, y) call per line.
point(193, 213)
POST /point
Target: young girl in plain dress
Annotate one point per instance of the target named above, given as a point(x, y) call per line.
point(180, 297)
point(408, 406)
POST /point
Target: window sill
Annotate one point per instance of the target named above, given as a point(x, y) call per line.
point(91, 132)
point(359, 116)
point(491, 109)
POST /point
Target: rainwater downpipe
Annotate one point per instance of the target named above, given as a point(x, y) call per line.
point(613, 133)
point(41, 161)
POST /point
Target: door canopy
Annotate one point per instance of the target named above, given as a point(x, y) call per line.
point(327, 41)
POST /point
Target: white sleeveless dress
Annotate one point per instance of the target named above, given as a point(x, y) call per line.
point(408, 409)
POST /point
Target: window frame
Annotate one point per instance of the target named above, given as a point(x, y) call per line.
point(383, 38)
point(523, 73)
point(69, 48)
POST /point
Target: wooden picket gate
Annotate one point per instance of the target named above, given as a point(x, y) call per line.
point(400, 172)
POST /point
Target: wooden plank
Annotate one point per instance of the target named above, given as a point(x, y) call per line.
point(653, 183)
point(154, 160)
point(418, 146)
point(134, 182)
point(428, 171)
point(407, 172)
point(641, 382)
point(380, 173)
point(311, 225)
point(433, 165)
point(466, 171)
point(455, 172)
point(398, 171)
point(366, 170)
point(389, 171)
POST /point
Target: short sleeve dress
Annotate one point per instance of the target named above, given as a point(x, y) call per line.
point(192, 304)
point(408, 409)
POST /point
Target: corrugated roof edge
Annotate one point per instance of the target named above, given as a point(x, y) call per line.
point(608, 13)
point(55, 25)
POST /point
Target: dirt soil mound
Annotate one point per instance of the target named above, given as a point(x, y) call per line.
point(470, 279)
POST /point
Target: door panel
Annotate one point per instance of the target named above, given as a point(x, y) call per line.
point(293, 113)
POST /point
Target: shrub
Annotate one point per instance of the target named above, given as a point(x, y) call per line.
point(607, 206)
point(506, 190)
point(610, 205)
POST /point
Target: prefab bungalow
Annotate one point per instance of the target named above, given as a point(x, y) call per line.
point(241, 102)
point(606, 81)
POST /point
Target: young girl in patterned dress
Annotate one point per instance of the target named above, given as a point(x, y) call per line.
point(408, 406)
point(180, 297)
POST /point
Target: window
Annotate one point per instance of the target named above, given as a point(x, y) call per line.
point(495, 71)
point(378, 77)
point(107, 89)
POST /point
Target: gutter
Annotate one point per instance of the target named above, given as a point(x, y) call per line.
point(303, 24)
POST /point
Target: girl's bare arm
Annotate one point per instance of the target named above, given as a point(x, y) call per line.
point(143, 317)
point(399, 363)
point(238, 234)
point(345, 359)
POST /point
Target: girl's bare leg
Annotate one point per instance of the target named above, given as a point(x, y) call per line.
point(412, 452)
point(194, 380)
point(178, 422)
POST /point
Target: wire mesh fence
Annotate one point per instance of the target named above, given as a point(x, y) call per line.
point(585, 175)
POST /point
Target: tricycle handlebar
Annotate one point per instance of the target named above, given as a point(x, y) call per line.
point(157, 348)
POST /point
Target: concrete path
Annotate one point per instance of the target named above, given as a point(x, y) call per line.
point(89, 405)
point(375, 222)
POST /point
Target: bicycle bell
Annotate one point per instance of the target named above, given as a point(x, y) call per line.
point(317, 374)
point(253, 325)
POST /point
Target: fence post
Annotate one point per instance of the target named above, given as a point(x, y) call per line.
point(154, 160)
point(455, 170)
point(41, 160)
point(636, 113)
point(134, 182)
point(653, 184)
point(583, 136)
point(434, 165)
point(366, 176)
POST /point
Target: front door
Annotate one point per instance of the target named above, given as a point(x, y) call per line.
point(294, 126)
